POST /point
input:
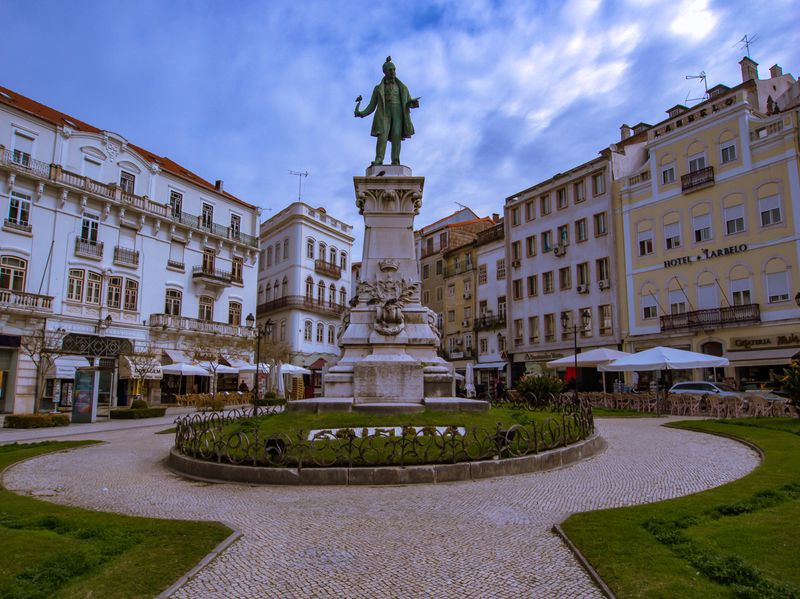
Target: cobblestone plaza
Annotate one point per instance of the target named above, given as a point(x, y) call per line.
point(475, 539)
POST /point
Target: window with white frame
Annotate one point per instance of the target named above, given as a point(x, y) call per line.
point(19, 209)
point(697, 162)
point(172, 302)
point(561, 198)
point(649, 307)
point(734, 219)
point(131, 295)
point(770, 209)
point(23, 149)
point(127, 181)
point(114, 292)
point(544, 204)
point(89, 227)
point(207, 216)
point(342, 296)
point(701, 225)
point(236, 226)
point(603, 268)
point(307, 330)
point(672, 236)
point(668, 174)
point(728, 151)
point(579, 191)
point(501, 269)
point(331, 334)
point(176, 203)
point(235, 313)
point(13, 271)
point(677, 301)
point(310, 248)
point(75, 285)
point(530, 211)
point(94, 287)
point(740, 292)
point(777, 287)
point(515, 216)
point(343, 261)
point(205, 308)
point(606, 319)
point(645, 241)
point(483, 346)
point(530, 245)
point(482, 274)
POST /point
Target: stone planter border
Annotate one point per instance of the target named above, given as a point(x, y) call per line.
point(385, 475)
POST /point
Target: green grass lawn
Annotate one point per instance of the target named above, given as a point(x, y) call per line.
point(55, 551)
point(738, 540)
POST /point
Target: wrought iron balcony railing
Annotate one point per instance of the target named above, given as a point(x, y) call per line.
point(302, 302)
point(483, 323)
point(126, 256)
point(212, 274)
point(698, 179)
point(327, 268)
point(88, 248)
point(712, 318)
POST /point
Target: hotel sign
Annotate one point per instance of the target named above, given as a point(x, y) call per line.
point(771, 341)
point(706, 255)
point(692, 117)
point(543, 356)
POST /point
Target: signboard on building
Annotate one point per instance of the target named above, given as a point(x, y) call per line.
point(767, 341)
point(538, 356)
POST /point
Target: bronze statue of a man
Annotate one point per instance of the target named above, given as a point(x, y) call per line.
point(392, 104)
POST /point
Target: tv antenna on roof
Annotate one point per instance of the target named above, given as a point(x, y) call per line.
point(460, 205)
point(299, 176)
point(702, 77)
point(746, 42)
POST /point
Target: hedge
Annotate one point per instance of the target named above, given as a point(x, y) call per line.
point(132, 414)
point(35, 420)
point(269, 401)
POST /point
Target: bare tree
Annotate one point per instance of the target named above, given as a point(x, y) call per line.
point(270, 352)
point(144, 361)
point(211, 348)
point(43, 347)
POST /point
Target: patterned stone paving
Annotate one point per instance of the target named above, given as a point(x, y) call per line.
point(468, 539)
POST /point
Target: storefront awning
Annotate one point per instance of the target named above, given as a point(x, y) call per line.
point(241, 365)
point(64, 367)
point(134, 367)
point(177, 356)
point(762, 357)
point(490, 366)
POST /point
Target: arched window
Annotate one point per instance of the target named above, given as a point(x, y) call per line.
point(131, 295)
point(285, 287)
point(307, 330)
point(269, 256)
point(309, 289)
point(331, 334)
point(310, 248)
point(332, 295)
point(286, 249)
point(322, 248)
point(12, 273)
point(277, 289)
point(205, 308)
point(172, 302)
point(320, 332)
point(268, 293)
point(283, 330)
point(342, 296)
point(235, 313)
point(321, 292)
point(277, 252)
point(332, 255)
point(343, 261)
point(94, 285)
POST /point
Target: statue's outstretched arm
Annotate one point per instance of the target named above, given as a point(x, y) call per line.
point(370, 108)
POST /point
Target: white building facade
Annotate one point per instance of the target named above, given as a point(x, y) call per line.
point(304, 282)
point(490, 320)
point(560, 260)
point(107, 248)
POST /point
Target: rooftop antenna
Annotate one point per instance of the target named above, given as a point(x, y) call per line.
point(702, 77)
point(299, 176)
point(460, 205)
point(746, 42)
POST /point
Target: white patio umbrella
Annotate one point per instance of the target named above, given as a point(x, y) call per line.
point(294, 370)
point(185, 369)
point(470, 378)
point(664, 358)
point(279, 388)
point(590, 359)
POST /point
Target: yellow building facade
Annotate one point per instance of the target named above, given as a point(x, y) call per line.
point(710, 221)
point(460, 266)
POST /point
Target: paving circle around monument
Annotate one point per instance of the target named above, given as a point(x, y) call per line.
point(490, 537)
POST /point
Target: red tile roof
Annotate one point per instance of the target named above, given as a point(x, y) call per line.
point(59, 119)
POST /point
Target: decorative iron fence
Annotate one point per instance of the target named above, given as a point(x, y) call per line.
point(234, 437)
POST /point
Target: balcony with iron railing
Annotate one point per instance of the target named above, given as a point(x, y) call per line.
point(55, 173)
point(213, 276)
point(484, 323)
point(302, 302)
point(459, 354)
point(712, 318)
point(452, 270)
point(176, 265)
point(488, 235)
point(17, 225)
point(88, 248)
point(182, 323)
point(126, 256)
point(27, 302)
point(327, 268)
point(698, 179)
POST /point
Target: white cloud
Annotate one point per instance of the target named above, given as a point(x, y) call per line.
point(694, 20)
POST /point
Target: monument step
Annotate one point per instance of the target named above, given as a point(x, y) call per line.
point(389, 408)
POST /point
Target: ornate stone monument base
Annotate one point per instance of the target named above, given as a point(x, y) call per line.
point(389, 340)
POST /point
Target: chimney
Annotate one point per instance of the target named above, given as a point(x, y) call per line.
point(624, 132)
point(749, 69)
point(495, 217)
point(775, 71)
point(219, 185)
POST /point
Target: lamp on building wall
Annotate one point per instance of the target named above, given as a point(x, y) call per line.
point(104, 323)
point(265, 330)
point(565, 325)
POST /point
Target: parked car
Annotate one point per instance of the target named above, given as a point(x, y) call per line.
point(705, 388)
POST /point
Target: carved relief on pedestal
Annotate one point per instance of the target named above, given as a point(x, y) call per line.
point(389, 200)
point(389, 298)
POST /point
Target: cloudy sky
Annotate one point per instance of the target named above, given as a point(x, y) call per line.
point(512, 92)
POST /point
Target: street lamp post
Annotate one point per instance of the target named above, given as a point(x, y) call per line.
point(265, 330)
point(565, 323)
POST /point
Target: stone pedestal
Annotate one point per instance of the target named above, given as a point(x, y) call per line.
point(389, 340)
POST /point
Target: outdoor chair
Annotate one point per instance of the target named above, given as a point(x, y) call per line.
point(734, 407)
point(716, 406)
point(757, 406)
point(693, 402)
